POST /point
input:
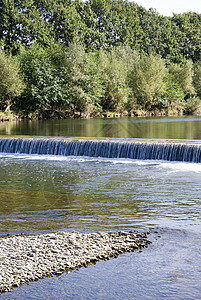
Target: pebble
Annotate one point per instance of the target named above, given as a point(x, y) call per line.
point(25, 258)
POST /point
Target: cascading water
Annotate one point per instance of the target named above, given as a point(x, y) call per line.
point(171, 151)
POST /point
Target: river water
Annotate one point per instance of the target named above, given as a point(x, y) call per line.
point(47, 193)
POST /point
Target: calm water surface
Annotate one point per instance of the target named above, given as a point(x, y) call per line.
point(163, 128)
point(44, 193)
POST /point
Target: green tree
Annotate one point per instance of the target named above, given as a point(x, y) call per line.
point(180, 89)
point(114, 23)
point(44, 75)
point(173, 97)
point(24, 22)
point(64, 21)
point(190, 34)
point(197, 78)
point(146, 80)
point(114, 67)
point(8, 24)
point(183, 75)
point(11, 82)
point(84, 84)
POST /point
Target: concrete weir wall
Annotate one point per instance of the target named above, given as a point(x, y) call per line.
point(25, 258)
point(109, 148)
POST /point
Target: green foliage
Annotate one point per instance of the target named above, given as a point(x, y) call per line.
point(191, 104)
point(100, 24)
point(46, 82)
point(147, 79)
point(84, 85)
point(189, 38)
point(88, 56)
point(182, 74)
point(11, 82)
point(45, 21)
point(8, 22)
point(114, 68)
point(197, 78)
point(173, 95)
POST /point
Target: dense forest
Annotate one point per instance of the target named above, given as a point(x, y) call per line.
point(72, 57)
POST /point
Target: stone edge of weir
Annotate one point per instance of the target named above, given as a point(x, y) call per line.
point(26, 258)
point(149, 150)
point(103, 139)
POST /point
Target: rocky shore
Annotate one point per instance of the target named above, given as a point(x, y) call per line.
point(25, 258)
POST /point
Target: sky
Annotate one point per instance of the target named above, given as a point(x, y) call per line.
point(168, 7)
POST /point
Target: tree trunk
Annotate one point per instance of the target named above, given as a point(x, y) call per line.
point(8, 106)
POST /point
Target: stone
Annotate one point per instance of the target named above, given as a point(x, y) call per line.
point(25, 258)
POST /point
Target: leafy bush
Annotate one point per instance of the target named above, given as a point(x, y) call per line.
point(191, 104)
point(44, 77)
point(11, 82)
point(146, 79)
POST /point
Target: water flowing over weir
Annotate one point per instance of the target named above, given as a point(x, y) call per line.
point(154, 150)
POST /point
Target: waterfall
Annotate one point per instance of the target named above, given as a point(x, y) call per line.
point(172, 151)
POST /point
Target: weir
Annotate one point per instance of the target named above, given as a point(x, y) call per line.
point(171, 151)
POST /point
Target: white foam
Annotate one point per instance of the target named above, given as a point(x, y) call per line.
point(169, 165)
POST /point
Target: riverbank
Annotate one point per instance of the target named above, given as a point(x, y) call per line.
point(25, 258)
point(54, 114)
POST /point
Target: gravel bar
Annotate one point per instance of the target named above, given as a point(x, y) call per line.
point(25, 258)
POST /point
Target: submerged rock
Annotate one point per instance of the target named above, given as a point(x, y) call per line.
point(25, 258)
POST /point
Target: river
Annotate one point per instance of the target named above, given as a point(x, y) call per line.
point(43, 193)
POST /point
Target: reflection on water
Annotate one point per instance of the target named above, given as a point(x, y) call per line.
point(163, 128)
point(41, 195)
point(95, 194)
point(46, 193)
